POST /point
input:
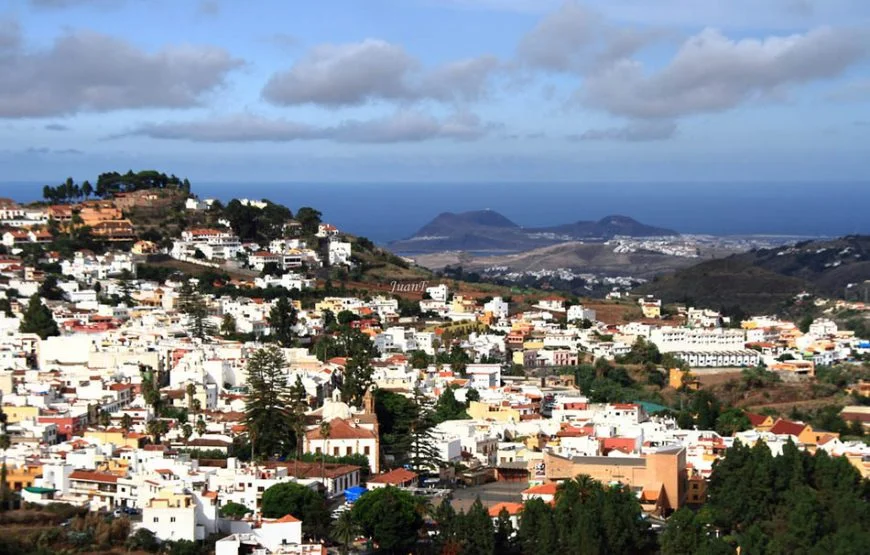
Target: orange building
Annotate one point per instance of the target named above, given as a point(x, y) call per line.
point(661, 476)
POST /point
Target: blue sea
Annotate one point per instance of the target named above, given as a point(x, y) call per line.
point(387, 212)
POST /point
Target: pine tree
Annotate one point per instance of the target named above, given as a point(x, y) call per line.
point(268, 416)
point(38, 319)
point(282, 318)
point(192, 304)
point(359, 351)
point(423, 455)
point(478, 538)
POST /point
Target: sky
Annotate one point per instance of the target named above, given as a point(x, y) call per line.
point(436, 90)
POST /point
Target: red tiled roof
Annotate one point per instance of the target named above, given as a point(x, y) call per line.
point(544, 489)
point(397, 476)
point(756, 419)
point(93, 476)
point(341, 429)
point(787, 427)
point(283, 519)
point(511, 508)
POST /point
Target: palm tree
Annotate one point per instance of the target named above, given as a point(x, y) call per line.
point(200, 426)
point(344, 530)
point(325, 431)
point(191, 391)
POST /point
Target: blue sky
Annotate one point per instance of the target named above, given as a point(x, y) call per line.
point(436, 90)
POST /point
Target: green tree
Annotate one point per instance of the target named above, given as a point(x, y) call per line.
point(391, 517)
point(38, 319)
point(228, 325)
point(685, 533)
point(193, 305)
point(307, 505)
point(448, 408)
point(419, 359)
point(477, 532)
point(126, 423)
point(234, 510)
point(200, 426)
point(267, 412)
point(143, 539)
point(49, 289)
point(282, 318)
point(345, 530)
point(309, 218)
point(537, 533)
point(731, 421)
point(504, 533)
point(357, 376)
point(423, 455)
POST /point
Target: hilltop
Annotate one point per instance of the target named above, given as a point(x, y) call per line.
point(489, 231)
point(763, 280)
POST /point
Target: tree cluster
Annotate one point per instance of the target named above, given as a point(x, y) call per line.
point(793, 503)
point(302, 502)
point(251, 223)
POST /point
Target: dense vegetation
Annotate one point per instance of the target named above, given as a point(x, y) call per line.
point(110, 183)
point(793, 503)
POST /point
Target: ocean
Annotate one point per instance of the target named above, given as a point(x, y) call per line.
point(387, 212)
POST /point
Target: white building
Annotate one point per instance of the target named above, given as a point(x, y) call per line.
point(498, 307)
point(483, 376)
point(670, 339)
point(346, 437)
point(439, 292)
point(339, 253)
point(578, 312)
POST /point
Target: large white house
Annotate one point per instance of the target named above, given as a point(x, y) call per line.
point(346, 437)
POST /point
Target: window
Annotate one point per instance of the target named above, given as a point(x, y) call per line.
point(156, 519)
point(318, 451)
point(349, 451)
point(335, 451)
point(172, 519)
point(366, 449)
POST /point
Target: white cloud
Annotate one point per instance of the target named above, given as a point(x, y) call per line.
point(88, 71)
point(403, 126)
point(633, 132)
point(712, 73)
point(374, 70)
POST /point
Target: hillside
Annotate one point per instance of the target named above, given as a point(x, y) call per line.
point(589, 257)
point(488, 231)
point(763, 280)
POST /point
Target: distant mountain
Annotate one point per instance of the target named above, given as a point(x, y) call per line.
point(610, 227)
point(763, 280)
point(487, 230)
point(448, 223)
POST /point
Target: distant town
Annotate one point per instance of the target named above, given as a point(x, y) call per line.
point(181, 375)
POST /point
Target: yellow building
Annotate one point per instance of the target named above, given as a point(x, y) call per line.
point(484, 411)
point(115, 436)
point(463, 305)
point(678, 378)
point(16, 414)
point(21, 477)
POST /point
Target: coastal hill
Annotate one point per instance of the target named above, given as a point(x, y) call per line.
point(763, 280)
point(489, 231)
